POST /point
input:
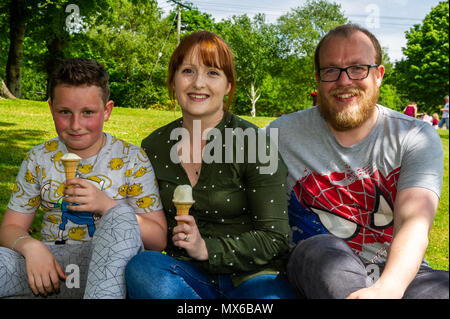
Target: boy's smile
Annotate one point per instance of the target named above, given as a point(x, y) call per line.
point(79, 113)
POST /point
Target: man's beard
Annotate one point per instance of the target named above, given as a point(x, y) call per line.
point(349, 117)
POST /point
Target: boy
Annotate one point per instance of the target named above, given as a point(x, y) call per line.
point(90, 227)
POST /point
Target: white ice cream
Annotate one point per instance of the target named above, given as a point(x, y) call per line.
point(70, 157)
point(183, 194)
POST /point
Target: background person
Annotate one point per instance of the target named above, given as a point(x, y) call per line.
point(435, 121)
point(411, 110)
point(444, 118)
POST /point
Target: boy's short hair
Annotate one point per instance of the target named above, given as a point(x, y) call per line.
point(78, 72)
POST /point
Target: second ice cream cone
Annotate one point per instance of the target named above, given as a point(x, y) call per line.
point(183, 209)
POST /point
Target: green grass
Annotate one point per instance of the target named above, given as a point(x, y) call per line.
point(24, 124)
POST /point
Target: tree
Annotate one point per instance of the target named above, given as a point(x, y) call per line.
point(192, 19)
point(255, 46)
point(18, 14)
point(423, 75)
point(4, 91)
point(46, 23)
point(134, 43)
point(302, 28)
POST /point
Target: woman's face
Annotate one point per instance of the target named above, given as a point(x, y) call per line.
point(200, 89)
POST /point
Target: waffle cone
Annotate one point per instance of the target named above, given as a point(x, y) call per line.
point(183, 208)
point(70, 167)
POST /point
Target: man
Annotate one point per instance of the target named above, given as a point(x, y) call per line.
point(444, 111)
point(363, 182)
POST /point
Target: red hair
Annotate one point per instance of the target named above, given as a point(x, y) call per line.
point(214, 52)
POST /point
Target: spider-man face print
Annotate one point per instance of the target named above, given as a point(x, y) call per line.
point(355, 206)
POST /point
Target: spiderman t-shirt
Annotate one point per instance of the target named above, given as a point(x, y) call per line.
point(350, 191)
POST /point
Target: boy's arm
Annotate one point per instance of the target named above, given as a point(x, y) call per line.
point(14, 230)
point(153, 228)
point(43, 270)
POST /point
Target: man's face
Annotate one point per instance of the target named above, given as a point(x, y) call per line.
point(347, 104)
point(79, 113)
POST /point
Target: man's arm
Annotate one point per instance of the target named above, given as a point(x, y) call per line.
point(414, 211)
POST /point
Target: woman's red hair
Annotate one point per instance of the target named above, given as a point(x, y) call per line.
point(213, 51)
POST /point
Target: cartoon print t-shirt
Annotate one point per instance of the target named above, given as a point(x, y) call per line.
point(121, 170)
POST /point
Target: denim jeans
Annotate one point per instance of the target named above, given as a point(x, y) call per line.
point(442, 121)
point(155, 275)
point(325, 267)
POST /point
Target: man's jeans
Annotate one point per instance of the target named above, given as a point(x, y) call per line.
point(325, 267)
point(155, 275)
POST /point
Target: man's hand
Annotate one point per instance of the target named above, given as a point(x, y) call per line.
point(88, 197)
point(376, 292)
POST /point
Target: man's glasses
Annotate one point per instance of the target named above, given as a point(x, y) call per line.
point(354, 72)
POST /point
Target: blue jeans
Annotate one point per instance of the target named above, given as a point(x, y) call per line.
point(442, 121)
point(155, 275)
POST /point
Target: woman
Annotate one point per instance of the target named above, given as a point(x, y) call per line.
point(234, 242)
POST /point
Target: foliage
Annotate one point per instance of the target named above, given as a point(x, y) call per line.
point(256, 50)
point(301, 29)
point(423, 75)
point(134, 41)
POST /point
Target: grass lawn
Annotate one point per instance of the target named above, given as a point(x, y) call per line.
point(24, 124)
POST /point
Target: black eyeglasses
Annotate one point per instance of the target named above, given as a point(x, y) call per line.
point(354, 72)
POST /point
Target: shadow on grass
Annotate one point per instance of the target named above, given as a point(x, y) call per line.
point(7, 124)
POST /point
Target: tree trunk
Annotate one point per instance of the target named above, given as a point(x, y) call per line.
point(17, 33)
point(4, 91)
point(253, 99)
point(55, 47)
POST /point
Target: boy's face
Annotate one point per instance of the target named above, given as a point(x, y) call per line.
point(79, 114)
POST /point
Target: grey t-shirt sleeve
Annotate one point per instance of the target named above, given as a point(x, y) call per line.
point(422, 161)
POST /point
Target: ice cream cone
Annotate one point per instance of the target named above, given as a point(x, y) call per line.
point(183, 208)
point(70, 162)
point(70, 167)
